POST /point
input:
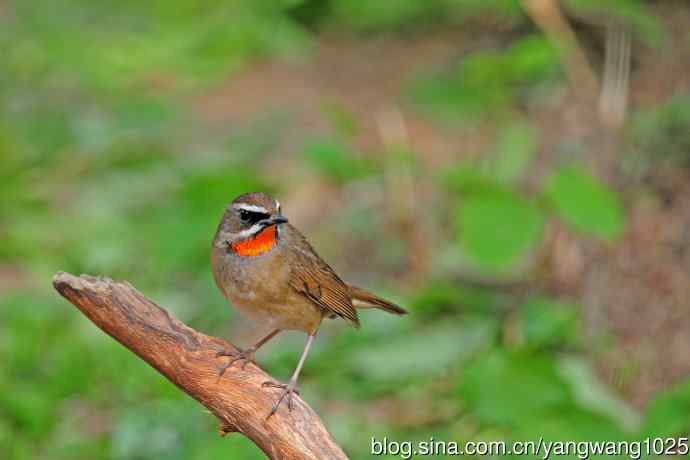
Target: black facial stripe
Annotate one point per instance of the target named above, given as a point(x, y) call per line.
point(252, 217)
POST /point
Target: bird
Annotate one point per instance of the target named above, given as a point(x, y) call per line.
point(268, 271)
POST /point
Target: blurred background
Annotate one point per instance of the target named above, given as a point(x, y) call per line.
point(513, 172)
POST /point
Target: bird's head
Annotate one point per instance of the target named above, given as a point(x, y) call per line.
point(250, 224)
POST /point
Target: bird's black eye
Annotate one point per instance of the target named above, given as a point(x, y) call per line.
point(252, 217)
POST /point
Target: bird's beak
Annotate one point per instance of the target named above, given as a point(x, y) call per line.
point(274, 220)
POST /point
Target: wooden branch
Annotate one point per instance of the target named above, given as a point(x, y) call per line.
point(188, 359)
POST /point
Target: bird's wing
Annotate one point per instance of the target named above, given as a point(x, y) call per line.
point(316, 280)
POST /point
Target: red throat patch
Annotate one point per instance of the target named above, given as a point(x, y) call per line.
point(259, 244)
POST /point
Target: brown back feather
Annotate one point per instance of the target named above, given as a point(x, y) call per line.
point(316, 280)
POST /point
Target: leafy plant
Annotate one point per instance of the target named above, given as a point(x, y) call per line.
point(334, 161)
point(179, 40)
point(399, 14)
point(585, 203)
point(634, 13)
point(505, 387)
point(103, 169)
point(497, 228)
point(660, 136)
point(487, 82)
point(445, 296)
point(667, 414)
point(512, 154)
point(548, 323)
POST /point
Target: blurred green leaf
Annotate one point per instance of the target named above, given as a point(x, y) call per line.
point(635, 13)
point(467, 178)
point(502, 8)
point(142, 114)
point(592, 394)
point(178, 42)
point(428, 352)
point(547, 323)
point(496, 229)
point(503, 388)
point(660, 136)
point(376, 15)
point(572, 423)
point(452, 97)
point(585, 203)
point(531, 59)
point(515, 149)
point(446, 296)
point(669, 413)
point(437, 297)
point(398, 14)
point(173, 429)
point(487, 82)
point(336, 162)
point(507, 389)
point(110, 163)
point(194, 214)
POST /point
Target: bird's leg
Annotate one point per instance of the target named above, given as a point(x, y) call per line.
point(291, 387)
point(247, 355)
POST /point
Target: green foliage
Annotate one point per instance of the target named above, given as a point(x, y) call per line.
point(497, 228)
point(590, 393)
point(173, 429)
point(515, 149)
point(634, 13)
point(433, 350)
point(547, 323)
point(398, 14)
point(669, 413)
point(488, 82)
point(505, 387)
point(661, 136)
point(105, 167)
point(381, 15)
point(585, 203)
point(442, 296)
point(335, 162)
point(179, 41)
point(498, 225)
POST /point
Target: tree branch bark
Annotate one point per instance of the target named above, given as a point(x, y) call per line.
point(188, 359)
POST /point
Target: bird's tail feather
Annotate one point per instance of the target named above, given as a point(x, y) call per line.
point(365, 299)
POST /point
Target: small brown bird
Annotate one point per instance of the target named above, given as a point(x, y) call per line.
point(268, 270)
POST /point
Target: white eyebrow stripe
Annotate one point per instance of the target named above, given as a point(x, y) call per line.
point(251, 208)
point(249, 231)
point(278, 206)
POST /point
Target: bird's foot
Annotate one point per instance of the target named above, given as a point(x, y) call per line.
point(248, 356)
point(289, 389)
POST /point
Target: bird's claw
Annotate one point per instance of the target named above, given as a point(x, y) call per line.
point(289, 390)
point(247, 356)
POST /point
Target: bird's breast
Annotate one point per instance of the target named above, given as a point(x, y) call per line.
point(259, 288)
